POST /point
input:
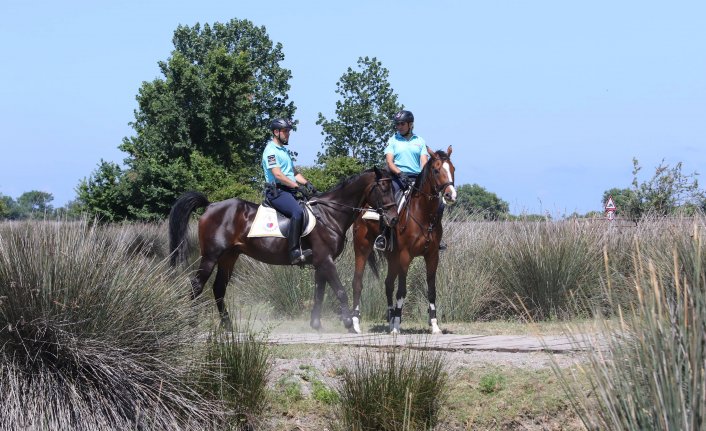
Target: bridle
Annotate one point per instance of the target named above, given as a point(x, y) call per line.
point(438, 189)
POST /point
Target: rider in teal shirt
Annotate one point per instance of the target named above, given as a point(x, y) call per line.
point(405, 155)
point(284, 182)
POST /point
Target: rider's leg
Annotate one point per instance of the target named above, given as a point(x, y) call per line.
point(287, 204)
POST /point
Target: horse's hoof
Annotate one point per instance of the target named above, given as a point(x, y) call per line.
point(356, 326)
point(315, 324)
point(227, 325)
point(347, 322)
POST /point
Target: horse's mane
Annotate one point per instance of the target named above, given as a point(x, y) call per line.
point(422, 177)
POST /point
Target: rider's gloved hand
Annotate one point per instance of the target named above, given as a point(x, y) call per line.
point(404, 179)
point(304, 191)
point(311, 189)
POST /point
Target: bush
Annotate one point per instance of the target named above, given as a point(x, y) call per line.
point(397, 389)
point(92, 336)
point(238, 366)
point(648, 372)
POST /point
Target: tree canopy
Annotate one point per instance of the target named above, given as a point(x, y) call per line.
point(667, 191)
point(363, 115)
point(475, 201)
point(202, 126)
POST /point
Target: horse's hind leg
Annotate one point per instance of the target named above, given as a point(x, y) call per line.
point(225, 270)
point(432, 263)
point(202, 275)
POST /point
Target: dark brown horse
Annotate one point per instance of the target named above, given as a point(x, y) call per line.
point(417, 233)
point(224, 227)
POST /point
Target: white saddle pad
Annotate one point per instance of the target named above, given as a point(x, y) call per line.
point(371, 214)
point(266, 224)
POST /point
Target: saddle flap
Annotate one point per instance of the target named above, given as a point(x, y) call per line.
point(270, 223)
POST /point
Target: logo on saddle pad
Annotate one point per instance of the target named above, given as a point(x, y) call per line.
point(270, 223)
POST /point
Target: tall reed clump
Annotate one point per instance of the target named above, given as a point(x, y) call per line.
point(238, 367)
point(92, 336)
point(544, 265)
point(396, 389)
point(648, 372)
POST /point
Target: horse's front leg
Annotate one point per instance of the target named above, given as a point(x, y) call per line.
point(401, 293)
point(432, 263)
point(393, 269)
point(320, 280)
point(328, 269)
point(361, 255)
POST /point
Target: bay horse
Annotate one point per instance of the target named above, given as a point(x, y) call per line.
point(223, 236)
point(417, 233)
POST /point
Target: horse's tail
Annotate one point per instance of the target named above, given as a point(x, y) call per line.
point(179, 224)
point(373, 263)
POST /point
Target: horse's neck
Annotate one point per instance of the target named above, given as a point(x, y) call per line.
point(348, 198)
point(424, 203)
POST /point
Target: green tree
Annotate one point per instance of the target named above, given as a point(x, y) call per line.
point(474, 200)
point(326, 175)
point(667, 191)
point(36, 203)
point(627, 203)
point(363, 116)
point(4, 207)
point(202, 126)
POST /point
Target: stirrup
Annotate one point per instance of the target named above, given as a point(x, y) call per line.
point(380, 243)
point(299, 257)
point(442, 246)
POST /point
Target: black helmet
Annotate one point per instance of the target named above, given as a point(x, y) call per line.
point(403, 117)
point(280, 123)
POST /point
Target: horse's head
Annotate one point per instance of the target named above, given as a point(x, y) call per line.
point(381, 196)
point(440, 174)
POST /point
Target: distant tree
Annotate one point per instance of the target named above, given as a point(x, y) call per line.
point(363, 115)
point(4, 207)
point(202, 126)
point(331, 171)
point(627, 202)
point(667, 191)
point(36, 204)
point(474, 200)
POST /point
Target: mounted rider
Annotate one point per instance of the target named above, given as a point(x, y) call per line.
point(284, 182)
point(405, 155)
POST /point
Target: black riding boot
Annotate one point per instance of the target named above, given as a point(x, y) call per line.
point(296, 255)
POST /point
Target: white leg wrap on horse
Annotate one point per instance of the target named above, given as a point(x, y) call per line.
point(435, 327)
point(395, 325)
point(356, 326)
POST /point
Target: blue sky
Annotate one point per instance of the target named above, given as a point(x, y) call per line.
point(545, 102)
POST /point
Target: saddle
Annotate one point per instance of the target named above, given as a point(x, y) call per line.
point(400, 199)
point(269, 222)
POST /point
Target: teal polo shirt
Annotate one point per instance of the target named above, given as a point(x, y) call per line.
point(406, 153)
point(277, 156)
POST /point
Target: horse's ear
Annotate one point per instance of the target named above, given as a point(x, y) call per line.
point(432, 154)
point(378, 172)
point(448, 152)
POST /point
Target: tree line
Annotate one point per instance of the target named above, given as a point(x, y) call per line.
point(202, 126)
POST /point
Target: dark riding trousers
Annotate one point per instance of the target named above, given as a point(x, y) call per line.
point(282, 199)
point(397, 182)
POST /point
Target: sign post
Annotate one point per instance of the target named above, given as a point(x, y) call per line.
point(610, 208)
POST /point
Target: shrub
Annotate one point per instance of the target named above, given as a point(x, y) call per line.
point(648, 373)
point(394, 389)
point(91, 335)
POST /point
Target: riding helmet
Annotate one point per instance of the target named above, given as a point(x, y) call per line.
point(403, 117)
point(280, 123)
